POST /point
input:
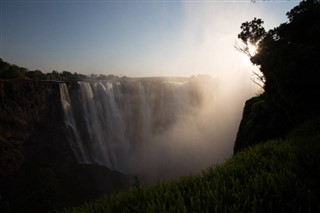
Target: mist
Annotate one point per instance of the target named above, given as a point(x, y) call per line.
point(201, 138)
point(154, 128)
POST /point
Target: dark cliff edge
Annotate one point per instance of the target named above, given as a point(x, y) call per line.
point(38, 171)
point(261, 121)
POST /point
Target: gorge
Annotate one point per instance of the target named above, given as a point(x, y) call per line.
point(151, 127)
point(76, 140)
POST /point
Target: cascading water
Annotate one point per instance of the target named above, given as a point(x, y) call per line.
point(114, 122)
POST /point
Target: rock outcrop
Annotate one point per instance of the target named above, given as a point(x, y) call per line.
point(260, 122)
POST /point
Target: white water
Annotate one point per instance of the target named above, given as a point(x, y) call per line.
point(149, 127)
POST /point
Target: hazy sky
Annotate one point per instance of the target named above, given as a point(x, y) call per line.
point(131, 38)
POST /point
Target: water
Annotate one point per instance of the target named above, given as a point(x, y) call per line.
point(145, 126)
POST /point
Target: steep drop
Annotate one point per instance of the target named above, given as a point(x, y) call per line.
point(147, 126)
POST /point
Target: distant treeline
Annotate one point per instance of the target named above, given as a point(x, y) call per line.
point(14, 72)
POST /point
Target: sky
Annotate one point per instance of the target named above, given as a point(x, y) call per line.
point(132, 38)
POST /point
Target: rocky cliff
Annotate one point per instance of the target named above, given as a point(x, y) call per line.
point(38, 170)
point(261, 121)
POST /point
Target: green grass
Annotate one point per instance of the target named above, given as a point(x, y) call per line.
point(277, 176)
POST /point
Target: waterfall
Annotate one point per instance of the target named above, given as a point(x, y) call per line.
point(108, 121)
point(74, 138)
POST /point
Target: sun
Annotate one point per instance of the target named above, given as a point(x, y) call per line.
point(252, 49)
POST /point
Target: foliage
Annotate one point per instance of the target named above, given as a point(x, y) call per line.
point(251, 34)
point(36, 75)
point(288, 58)
point(9, 72)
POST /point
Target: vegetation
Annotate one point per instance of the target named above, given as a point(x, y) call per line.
point(13, 72)
point(288, 57)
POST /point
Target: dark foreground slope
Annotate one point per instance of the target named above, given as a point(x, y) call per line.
point(38, 170)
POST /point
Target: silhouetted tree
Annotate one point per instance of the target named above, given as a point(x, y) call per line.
point(11, 71)
point(288, 57)
point(36, 75)
point(8, 71)
point(251, 34)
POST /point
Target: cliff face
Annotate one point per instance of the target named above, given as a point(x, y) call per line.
point(23, 105)
point(38, 170)
point(260, 122)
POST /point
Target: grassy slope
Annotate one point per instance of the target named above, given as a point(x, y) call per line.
point(277, 176)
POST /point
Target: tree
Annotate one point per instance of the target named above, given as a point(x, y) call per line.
point(8, 71)
point(251, 34)
point(11, 71)
point(288, 58)
point(36, 75)
point(303, 8)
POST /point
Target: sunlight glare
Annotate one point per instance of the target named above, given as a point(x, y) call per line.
point(252, 49)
